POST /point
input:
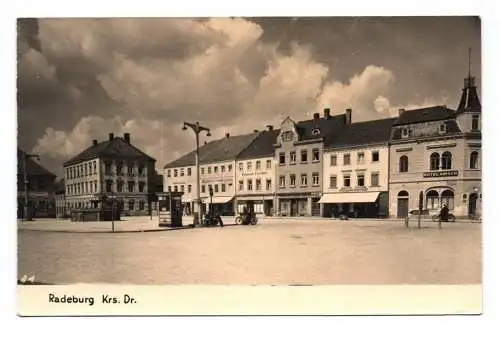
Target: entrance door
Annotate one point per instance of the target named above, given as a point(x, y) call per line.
point(403, 207)
point(472, 204)
point(294, 207)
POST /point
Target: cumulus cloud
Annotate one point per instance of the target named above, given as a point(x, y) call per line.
point(97, 76)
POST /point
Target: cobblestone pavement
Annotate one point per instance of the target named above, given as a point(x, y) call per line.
point(274, 252)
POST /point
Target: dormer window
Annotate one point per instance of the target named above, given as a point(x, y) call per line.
point(442, 128)
point(287, 136)
point(405, 133)
point(316, 132)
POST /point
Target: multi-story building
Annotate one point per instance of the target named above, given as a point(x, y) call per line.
point(41, 187)
point(60, 198)
point(299, 168)
point(255, 174)
point(113, 168)
point(356, 170)
point(217, 160)
point(437, 151)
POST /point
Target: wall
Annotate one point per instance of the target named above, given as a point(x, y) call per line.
point(253, 173)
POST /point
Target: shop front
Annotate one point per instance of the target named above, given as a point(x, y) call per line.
point(222, 204)
point(298, 205)
point(355, 204)
point(262, 205)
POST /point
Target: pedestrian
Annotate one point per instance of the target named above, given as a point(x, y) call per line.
point(444, 213)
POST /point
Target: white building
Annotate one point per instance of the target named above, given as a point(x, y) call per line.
point(355, 170)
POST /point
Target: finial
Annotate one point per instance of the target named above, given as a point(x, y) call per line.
point(470, 50)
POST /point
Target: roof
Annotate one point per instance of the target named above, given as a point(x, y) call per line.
point(326, 126)
point(227, 148)
point(429, 114)
point(469, 101)
point(115, 148)
point(32, 167)
point(262, 146)
point(362, 133)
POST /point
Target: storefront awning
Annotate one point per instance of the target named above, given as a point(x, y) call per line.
point(217, 200)
point(338, 198)
point(255, 198)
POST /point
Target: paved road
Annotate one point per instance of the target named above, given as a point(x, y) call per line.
point(274, 252)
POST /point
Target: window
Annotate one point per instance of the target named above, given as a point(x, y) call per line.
point(229, 167)
point(189, 188)
point(216, 188)
point(333, 181)
point(141, 205)
point(216, 169)
point(176, 188)
point(315, 154)
point(210, 188)
point(374, 179)
point(315, 179)
point(448, 198)
point(293, 157)
point(347, 159)
point(268, 184)
point(175, 172)
point(95, 167)
point(442, 128)
point(303, 180)
point(404, 133)
point(403, 164)
point(223, 168)
point(240, 167)
point(446, 161)
point(375, 156)
point(203, 188)
point(119, 186)
point(131, 186)
point(292, 180)
point(90, 168)
point(209, 170)
point(109, 186)
point(202, 170)
point(303, 156)
point(474, 160)
point(223, 187)
point(258, 184)
point(249, 184)
point(182, 172)
point(361, 157)
point(182, 188)
point(170, 188)
point(240, 185)
point(475, 122)
point(282, 158)
point(282, 181)
point(287, 136)
point(333, 160)
point(432, 199)
point(361, 179)
point(347, 180)
point(257, 165)
point(189, 171)
point(107, 168)
point(249, 165)
point(131, 205)
point(434, 161)
point(268, 164)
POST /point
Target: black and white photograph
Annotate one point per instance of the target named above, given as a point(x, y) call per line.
point(249, 151)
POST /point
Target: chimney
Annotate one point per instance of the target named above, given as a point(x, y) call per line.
point(326, 112)
point(126, 137)
point(94, 142)
point(270, 127)
point(401, 111)
point(316, 115)
point(348, 116)
point(111, 136)
point(255, 131)
point(227, 135)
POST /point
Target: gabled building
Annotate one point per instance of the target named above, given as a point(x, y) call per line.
point(299, 157)
point(356, 170)
point(114, 168)
point(437, 151)
point(41, 187)
point(255, 174)
point(217, 160)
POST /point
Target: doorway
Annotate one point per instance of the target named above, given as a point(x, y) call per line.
point(472, 204)
point(403, 204)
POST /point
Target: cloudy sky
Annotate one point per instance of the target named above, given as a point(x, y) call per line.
point(80, 79)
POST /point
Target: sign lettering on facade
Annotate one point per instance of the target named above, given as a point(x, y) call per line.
point(354, 189)
point(437, 174)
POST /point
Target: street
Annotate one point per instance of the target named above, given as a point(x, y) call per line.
point(277, 252)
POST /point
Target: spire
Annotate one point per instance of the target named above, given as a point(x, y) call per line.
point(469, 102)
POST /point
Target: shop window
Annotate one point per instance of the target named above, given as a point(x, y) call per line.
point(432, 200)
point(403, 164)
point(448, 198)
point(434, 161)
point(474, 160)
point(446, 161)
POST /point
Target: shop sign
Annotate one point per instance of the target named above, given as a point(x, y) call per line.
point(354, 189)
point(438, 174)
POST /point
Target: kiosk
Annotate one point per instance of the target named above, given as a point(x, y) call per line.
point(169, 209)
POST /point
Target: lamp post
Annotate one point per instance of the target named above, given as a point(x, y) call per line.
point(27, 215)
point(197, 129)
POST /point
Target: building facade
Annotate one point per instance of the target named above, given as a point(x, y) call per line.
point(113, 168)
point(299, 167)
point(436, 151)
point(256, 174)
point(356, 171)
point(60, 198)
point(41, 188)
